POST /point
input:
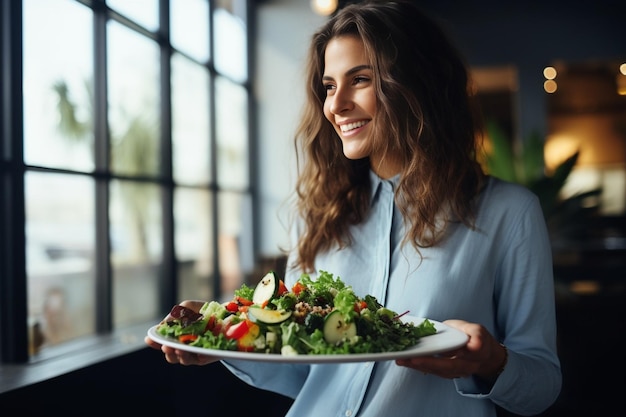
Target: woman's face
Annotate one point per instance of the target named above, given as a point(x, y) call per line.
point(350, 103)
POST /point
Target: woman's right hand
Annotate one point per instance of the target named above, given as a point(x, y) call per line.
point(173, 355)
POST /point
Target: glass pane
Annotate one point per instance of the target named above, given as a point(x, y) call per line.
point(230, 39)
point(194, 243)
point(230, 216)
point(189, 31)
point(136, 250)
point(58, 77)
point(60, 230)
point(134, 102)
point(232, 134)
point(144, 12)
point(190, 121)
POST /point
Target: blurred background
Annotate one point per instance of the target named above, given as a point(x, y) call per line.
point(147, 158)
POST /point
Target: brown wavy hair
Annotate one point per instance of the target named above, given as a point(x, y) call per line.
point(425, 115)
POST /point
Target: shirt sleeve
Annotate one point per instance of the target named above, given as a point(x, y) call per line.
point(525, 319)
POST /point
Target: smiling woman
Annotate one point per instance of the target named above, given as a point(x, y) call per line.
point(390, 197)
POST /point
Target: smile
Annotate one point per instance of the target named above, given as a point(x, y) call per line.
point(351, 126)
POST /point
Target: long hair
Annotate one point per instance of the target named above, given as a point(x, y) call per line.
point(424, 114)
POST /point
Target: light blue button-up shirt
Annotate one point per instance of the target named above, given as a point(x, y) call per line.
point(498, 275)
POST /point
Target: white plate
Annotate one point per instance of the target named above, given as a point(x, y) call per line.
point(446, 338)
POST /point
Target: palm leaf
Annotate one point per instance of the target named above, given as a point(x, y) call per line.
point(531, 159)
point(562, 171)
point(501, 159)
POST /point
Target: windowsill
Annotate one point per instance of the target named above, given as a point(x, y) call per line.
point(54, 362)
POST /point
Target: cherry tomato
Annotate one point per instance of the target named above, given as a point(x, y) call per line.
point(237, 331)
point(360, 305)
point(282, 288)
point(187, 338)
point(298, 288)
point(232, 307)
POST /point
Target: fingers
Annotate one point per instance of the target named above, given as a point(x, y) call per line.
point(471, 329)
point(444, 367)
point(175, 356)
point(195, 305)
point(151, 343)
point(479, 336)
point(171, 356)
point(475, 358)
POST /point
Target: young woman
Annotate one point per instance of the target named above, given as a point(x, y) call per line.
point(391, 199)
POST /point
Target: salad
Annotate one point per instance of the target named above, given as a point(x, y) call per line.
point(314, 317)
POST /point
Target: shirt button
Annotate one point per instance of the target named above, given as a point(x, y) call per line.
point(348, 413)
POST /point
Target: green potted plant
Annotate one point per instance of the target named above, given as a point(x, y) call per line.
point(567, 218)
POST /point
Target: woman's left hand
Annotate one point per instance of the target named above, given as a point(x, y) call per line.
point(482, 356)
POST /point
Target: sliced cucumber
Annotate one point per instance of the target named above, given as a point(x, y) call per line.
point(266, 289)
point(267, 316)
point(336, 328)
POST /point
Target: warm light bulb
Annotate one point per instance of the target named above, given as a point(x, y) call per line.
point(620, 80)
point(549, 73)
point(324, 7)
point(550, 86)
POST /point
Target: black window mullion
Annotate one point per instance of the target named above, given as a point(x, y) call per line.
point(253, 154)
point(13, 296)
point(214, 188)
point(104, 286)
point(167, 285)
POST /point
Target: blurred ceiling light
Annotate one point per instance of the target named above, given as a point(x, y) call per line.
point(621, 80)
point(324, 7)
point(550, 86)
point(549, 73)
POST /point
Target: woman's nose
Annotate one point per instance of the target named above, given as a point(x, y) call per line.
point(341, 101)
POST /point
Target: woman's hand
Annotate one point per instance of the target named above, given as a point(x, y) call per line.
point(482, 356)
point(173, 355)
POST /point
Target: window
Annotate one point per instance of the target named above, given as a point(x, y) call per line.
point(125, 164)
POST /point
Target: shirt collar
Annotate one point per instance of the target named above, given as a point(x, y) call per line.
point(376, 182)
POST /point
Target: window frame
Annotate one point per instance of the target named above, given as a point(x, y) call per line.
point(15, 362)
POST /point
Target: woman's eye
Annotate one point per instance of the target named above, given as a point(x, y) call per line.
point(329, 87)
point(359, 80)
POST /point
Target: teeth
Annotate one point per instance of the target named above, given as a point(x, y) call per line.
point(354, 125)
